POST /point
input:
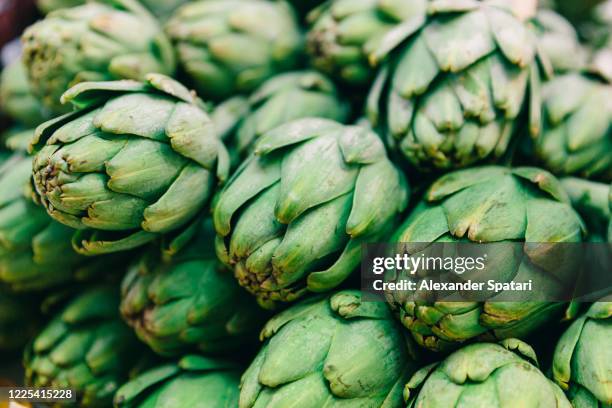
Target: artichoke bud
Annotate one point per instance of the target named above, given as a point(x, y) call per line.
point(582, 359)
point(189, 301)
point(232, 46)
point(348, 38)
point(93, 42)
point(500, 375)
point(576, 134)
point(294, 215)
point(281, 99)
point(330, 350)
point(446, 108)
point(85, 347)
point(133, 162)
point(503, 206)
point(193, 381)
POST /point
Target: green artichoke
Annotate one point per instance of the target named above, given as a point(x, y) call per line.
point(347, 37)
point(284, 98)
point(594, 203)
point(576, 136)
point(135, 161)
point(16, 98)
point(503, 375)
point(293, 217)
point(582, 363)
point(484, 205)
point(35, 251)
point(454, 93)
point(98, 41)
point(189, 302)
point(19, 319)
point(85, 347)
point(329, 352)
point(230, 46)
point(194, 382)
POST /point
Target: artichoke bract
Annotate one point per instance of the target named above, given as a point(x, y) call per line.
point(503, 375)
point(85, 347)
point(47, 6)
point(35, 251)
point(284, 98)
point(19, 319)
point(347, 37)
point(16, 98)
point(558, 41)
point(163, 8)
point(593, 201)
point(98, 41)
point(455, 93)
point(582, 363)
point(194, 381)
point(576, 136)
point(486, 205)
point(189, 301)
point(294, 215)
point(330, 351)
point(133, 162)
point(232, 46)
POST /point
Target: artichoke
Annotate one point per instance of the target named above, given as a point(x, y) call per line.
point(93, 42)
point(454, 93)
point(484, 205)
point(327, 352)
point(135, 161)
point(35, 251)
point(195, 382)
point(85, 347)
point(229, 46)
point(582, 362)
point(284, 98)
point(503, 375)
point(19, 319)
point(346, 37)
point(594, 203)
point(189, 302)
point(576, 136)
point(16, 98)
point(293, 217)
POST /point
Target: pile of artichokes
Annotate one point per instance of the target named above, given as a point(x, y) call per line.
point(188, 189)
